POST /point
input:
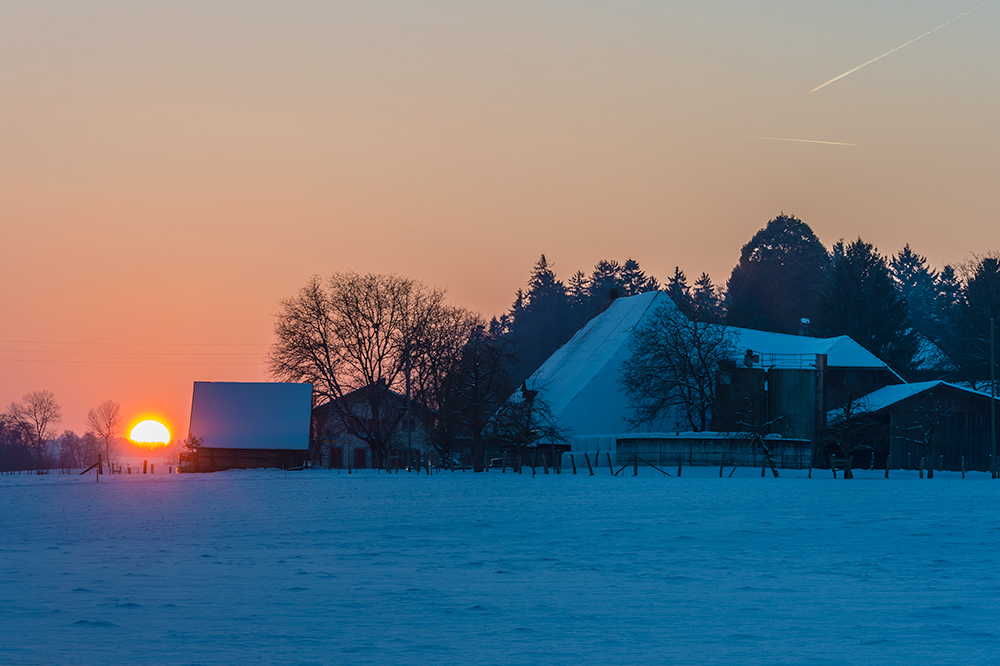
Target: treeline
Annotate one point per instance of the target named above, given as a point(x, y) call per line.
point(921, 321)
point(549, 311)
point(28, 435)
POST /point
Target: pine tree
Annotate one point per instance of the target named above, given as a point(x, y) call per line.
point(634, 281)
point(679, 292)
point(980, 303)
point(917, 282)
point(707, 303)
point(947, 296)
point(778, 279)
point(605, 277)
point(540, 321)
point(860, 300)
point(579, 290)
point(543, 287)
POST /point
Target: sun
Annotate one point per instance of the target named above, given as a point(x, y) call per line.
point(150, 433)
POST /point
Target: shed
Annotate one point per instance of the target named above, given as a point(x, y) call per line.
point(245, 425)
point(936, 421)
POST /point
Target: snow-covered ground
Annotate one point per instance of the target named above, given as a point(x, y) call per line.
point(320, 568)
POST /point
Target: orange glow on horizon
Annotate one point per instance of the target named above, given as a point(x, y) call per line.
point(149, 433)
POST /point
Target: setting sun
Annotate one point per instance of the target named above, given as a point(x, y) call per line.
point(150, 433)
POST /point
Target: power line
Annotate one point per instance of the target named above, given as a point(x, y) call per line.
point(101, 362)
point(112, 353)
point(141, 344)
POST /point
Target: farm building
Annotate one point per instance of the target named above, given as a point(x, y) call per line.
point(342, 429)
point(930, 425)
point(797, 378)
point(247, 425)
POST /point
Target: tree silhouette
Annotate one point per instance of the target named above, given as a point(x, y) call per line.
point(860, 300)
point(778, 278)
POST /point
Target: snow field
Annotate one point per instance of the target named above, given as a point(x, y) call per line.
point(321, 568)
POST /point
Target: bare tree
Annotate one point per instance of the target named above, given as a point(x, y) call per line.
point(925, 425)
point(674, 364)
point(854, 427)
point(360, 336)
point(106, 422)
point(70, 450)
point(39, 413)
point(480, 387)
point(435, 371)
point(90, 448)
point(524, 423)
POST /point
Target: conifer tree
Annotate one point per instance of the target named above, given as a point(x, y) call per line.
point(634, 281)
point(680, 292)
point(979, 304)
point(579, 290)
point(860, 300)
point(540, 320)
point(605, 277)
point(917, 282)
point(707, 302)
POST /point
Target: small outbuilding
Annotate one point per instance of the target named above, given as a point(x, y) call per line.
point(935, 424)
point(240, 425)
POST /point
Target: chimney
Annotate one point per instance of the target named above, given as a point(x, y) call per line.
point(805, 327)
point(613, 294)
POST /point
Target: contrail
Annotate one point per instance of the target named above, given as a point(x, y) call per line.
point(778, 138)
point(901, 46)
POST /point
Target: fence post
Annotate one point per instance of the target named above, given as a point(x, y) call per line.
point(635, 464)
point(922, 467)
point(611, 468)
point(572, 461)
point(586, 457)
point(680, 460)
point(963, 467)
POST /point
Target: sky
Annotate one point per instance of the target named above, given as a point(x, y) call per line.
point(170, 171)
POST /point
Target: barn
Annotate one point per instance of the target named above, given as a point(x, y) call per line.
point(797, 378)
point(241, 425)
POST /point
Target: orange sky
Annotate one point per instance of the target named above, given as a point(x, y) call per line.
point(168, 172)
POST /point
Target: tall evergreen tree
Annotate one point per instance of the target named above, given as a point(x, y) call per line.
point(707, 301)
point(980, 303)
point(605, 277)
point(634, 281)
point(579, 290)
point(540, 321)
point(778, 278)
point(860, 300)
point(917, 282)
point(947, 296)
point(680, 292)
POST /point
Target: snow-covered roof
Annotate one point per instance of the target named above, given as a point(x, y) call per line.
point(890, 395)
point(580, 381)
point(602, 339)
point(783, 350)
point(237, 415)
point(931, 357)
